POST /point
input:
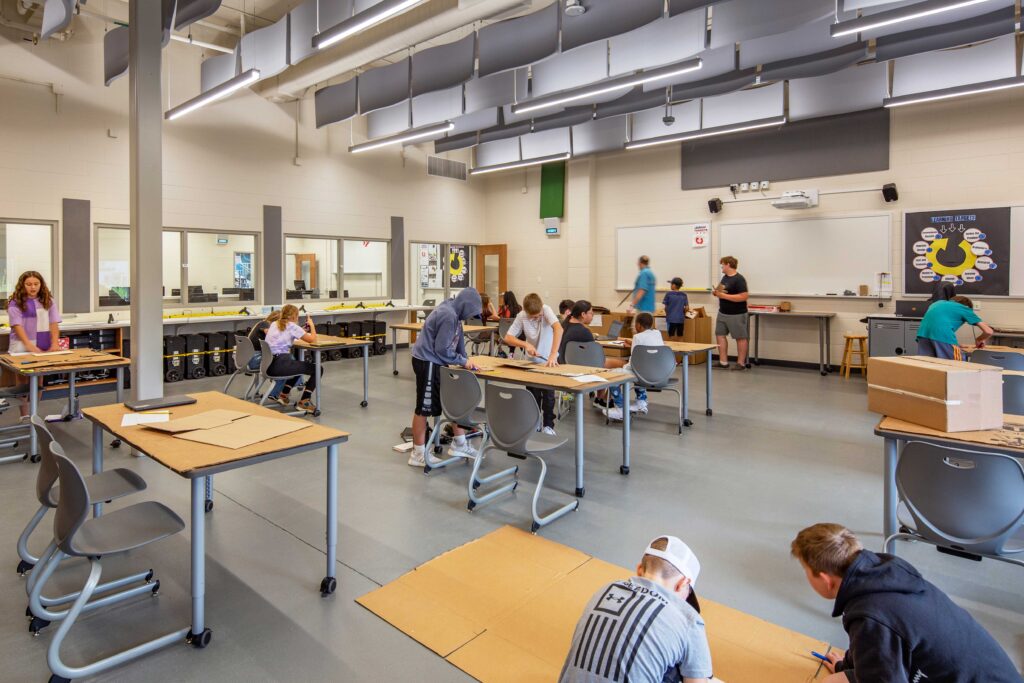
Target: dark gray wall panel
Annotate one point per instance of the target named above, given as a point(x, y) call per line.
point(444, 66)
point(191, 11)
point(273, 256)
point(384, 86)
point(815, 148)
point(336, 102)
point(397, 257)
point(76, 273)
point(607, 18)
point(518, 42)
point(991, 25)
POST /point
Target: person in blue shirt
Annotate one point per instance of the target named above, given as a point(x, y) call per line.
point(937, 335)
point(676, 304)
point(643, 288)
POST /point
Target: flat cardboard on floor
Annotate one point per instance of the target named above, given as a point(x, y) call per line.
point(244, 432)
point(207, 420)
point(947, 395)
point(504, 607)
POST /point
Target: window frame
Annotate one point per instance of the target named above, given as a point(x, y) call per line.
point(340, 255)
point(55, 280)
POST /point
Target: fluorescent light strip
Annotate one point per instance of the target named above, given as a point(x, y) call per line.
point(213, 94)
point(362, 21)
point(706, 133)
point(950, 93)
point(480, 170)
point(896, 16)
point(622, 83)
point(407, 136)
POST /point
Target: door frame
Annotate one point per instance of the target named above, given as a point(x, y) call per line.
point(482, 252)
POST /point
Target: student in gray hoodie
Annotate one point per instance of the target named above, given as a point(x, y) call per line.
point(440, 344)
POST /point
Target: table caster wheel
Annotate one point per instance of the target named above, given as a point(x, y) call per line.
point(208, 506)
point(534, 527)
point(394, 372)
point(37, 625)
point(623, 469)
point(365, 403)
point(580, 492)
point(199, 640)
point(708, 412)
point(316, 413)
point(23, 567)
point(35, 458)
point(328, 585)
point(116, 443)
point(687, 422)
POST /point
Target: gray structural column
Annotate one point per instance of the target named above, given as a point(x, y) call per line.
point(146, 189)
point(273, 256)
point(76, 278)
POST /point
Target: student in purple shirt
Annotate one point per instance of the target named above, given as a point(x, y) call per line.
point(34, 318)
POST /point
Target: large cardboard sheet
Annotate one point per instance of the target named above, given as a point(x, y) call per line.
point(1011, 435)
point(243, 432)
point(207, 420)
point(503, 608)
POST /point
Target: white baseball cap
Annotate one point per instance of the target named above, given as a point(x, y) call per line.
point(679, 555)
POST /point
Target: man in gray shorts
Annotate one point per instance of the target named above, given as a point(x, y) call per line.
point(732, 314)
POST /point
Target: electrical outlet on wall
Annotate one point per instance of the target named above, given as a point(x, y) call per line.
point(744, 187)
point(753, 186)
point(764, 185)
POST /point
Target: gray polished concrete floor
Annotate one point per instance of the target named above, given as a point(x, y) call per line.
point(784, 449)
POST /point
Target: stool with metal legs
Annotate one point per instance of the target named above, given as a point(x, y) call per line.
point(116, 533)
point(513, 417)
point(460, 404)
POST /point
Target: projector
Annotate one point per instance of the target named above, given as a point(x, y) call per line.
point(574, 8)
point(796, 199)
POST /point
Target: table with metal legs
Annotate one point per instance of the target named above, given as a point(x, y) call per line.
point(325, 343)
point(824, 334)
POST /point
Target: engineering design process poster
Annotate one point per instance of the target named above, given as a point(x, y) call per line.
point(970, 248)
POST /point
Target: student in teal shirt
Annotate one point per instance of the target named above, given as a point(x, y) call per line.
point(937, 335)
point(643, 288)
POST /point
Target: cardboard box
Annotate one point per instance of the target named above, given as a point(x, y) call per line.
point(697, 330)
point(947, 395)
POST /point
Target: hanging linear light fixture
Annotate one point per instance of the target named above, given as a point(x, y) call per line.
point(950, 93)
point(707, 133)
point(899, 15)
point(480, 170)
point(603, 87)
point(213, 94)
point(406, 136)
point(360, 22)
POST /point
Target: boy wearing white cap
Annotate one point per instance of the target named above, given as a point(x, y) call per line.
point(647, 628)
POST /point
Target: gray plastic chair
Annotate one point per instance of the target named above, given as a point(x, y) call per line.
point(244, 352)
point(654, 367)
point(513, 417)
point(460, 406)
point(266, 358)
point(115, 533)
point(503, 327)
point(12, 436)
point(967, 503)
point(1013, 394)
point(1007, 360)
point(590, 354)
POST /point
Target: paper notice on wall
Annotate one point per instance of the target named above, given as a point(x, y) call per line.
point(701, 236)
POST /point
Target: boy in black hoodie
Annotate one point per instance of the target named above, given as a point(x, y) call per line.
point(901, 627)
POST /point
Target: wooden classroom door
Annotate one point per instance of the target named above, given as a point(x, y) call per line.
point(305, 269)
point(492, 270)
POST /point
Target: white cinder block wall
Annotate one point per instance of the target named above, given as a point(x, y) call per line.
point(955, 154)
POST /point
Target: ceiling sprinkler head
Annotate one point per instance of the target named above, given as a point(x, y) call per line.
point(574, 8)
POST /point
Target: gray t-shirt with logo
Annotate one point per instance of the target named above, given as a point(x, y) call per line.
point(637, 631)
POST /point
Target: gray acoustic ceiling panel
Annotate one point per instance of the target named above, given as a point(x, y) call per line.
point(604, 135)
point(545, 144)
point(517, 42)
point(937, 19)
point(650, 123)
point(336, 102)
point(747, 105)
point(662, 42)
point(854, 89)
point(388, 121)
point(442, 67)
point(266, 49)
point(505, 132)
point(477, 120)
point(384, 86)
point(735, 21)
point(711, 87)
point(585, 65)
point(972, 30)
point(717, 62)
point(115, 54)
point(190, 11)
point(497, 152)
point(637, 100)
point(496, 90)
point(301, 29)
point(989, 61)
point(679, 6)
point(806, 39)
point(57, 16)
point(215, 70)
point(569, 117)
point(438, 106)
point(815, 65)
point(607, 18)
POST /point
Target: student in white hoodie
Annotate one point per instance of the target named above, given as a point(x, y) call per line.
point(644, 334)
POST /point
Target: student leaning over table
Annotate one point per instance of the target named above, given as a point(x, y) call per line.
point(441, 343)
point(537, 331)
point(936, 336)
point(33, 315)
point(901, 627)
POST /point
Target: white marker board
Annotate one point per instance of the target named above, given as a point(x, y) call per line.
point(810, 256)
point(672, 254)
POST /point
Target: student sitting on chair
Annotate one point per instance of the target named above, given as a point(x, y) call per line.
point(644, 334)
point(676, 304)
point(937, 335)
point(543, 337)
point(487, 312)
point(281, 335)
point(257, 334)
point(441, 343)
point(510, 307)
point(651, 624)
point(901, 627)
point(564, 307)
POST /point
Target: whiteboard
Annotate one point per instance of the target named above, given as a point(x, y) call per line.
point(672, 254)
point(810, 256)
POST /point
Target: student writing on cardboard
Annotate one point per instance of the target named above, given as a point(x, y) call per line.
point(901, 627)
point(542, 338)
point(937, 335)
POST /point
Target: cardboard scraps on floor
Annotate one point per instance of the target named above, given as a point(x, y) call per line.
point(504, 607)
point(243, 432)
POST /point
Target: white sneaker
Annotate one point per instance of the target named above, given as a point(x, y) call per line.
point(463, 451)
point(417, 459)
point(614, 413)
point(638, 406)
point(549, 431)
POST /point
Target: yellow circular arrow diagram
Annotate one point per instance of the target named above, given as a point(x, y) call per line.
point(940, 244)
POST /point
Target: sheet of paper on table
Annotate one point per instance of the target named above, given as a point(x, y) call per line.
point(135, 419)
point(587, 379)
